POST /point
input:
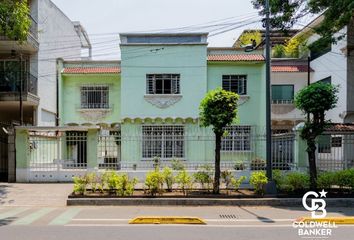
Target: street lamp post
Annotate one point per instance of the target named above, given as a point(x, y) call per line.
point(270, 188)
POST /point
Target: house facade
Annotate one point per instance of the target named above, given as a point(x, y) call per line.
point(147, 104)
point(334, 64)
point(288, 77)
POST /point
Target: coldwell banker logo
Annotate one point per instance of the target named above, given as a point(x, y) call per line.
point(316, 226)
point(317, 205)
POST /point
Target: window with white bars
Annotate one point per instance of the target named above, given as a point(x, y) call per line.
point(235, 83)
point(237, 139)
point(166, 142)
point(94, 97)
point(163, 83)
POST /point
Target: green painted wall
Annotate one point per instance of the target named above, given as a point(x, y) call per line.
point(187, 60)
point(252, 112)
point(70, 98)
point(22, 148)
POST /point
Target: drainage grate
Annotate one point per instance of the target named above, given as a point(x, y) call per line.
point(228, 216)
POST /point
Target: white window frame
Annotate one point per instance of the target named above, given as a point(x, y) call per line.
point(159, 139)
point(104, 96)
point(235, 80)
point(174, 78)
point(239, 139)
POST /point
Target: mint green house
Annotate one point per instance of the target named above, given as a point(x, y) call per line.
point(147, 105)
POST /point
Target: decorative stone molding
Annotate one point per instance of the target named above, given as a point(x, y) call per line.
point(94, 115)
point(163, 100)
point(158, 120)
point(243, 99)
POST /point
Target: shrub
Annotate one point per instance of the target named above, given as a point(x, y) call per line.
point(326, 180)
point(125, 186)
point(351, 172)
point(184, 181)
point(258, 164)
point(278, 51)
point(258, 180)
point(204, 177)
point(236, 182)
point(154, 182)
point(168, 177)
point(156, 163)
point(278, 179)
point(296, 182)
point(110, 180)
point(344, 178)
point(177, 165)
point(239, 165)
point(93, 181)
point(226, 177)
point(80, 184)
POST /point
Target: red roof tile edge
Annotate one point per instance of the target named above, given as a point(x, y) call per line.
point(91, 70)
point(236, 57)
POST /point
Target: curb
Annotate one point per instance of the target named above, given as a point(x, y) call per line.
point(272, 202)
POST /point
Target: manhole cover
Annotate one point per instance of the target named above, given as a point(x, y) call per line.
point(228, 216)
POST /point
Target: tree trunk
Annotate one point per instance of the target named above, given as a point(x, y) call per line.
point(216, 188)
point(311, 152)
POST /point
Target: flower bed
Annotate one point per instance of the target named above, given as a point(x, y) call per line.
point(166, 183)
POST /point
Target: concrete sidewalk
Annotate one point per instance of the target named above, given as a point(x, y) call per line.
point(34, 194)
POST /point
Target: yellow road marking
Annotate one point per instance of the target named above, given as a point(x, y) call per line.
point(166, 220)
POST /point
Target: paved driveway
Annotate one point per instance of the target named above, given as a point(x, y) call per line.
point(33, 194)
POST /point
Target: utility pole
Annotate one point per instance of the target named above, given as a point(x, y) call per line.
point(270, 188)
point(308, 78)
point(21, 83)
point(268, 106)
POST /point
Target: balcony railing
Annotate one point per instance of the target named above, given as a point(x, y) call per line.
point(10, 82)
point(34, 28)
point(282, 101)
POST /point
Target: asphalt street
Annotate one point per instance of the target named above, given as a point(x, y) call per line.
point(27, 223)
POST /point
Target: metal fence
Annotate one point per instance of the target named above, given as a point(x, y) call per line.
point(70, 152)
point(335, 151)
point(63, 154)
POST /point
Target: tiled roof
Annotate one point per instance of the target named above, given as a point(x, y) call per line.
point(236, 57)
point(91, 70)
point(290, 68)
point(340, 127)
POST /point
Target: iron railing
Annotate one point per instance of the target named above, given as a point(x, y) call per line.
point(33, 28)
point(10, 82)
point(282, 101)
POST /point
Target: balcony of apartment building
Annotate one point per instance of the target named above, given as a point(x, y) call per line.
point(284, 113)
point(18, 87)
point(29, 46)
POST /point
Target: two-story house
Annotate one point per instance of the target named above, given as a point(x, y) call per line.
point(151, 98)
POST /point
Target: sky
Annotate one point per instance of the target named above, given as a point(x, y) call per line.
point(104, 19)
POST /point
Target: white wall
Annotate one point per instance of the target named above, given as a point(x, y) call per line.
point(299, 80)
point(333, 64)
point(57, 39)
